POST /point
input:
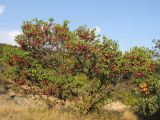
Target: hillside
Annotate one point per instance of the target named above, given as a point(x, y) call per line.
point(15, 104)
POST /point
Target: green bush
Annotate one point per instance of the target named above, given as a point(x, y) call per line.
point(149, 99)
point(149, 106)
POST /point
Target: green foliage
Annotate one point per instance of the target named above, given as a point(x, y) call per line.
point(19, 60)
point(79, 64)
point(139, 62)
point(157, 54)
point(157, 48)
point(149, 106)
point(2, 52)
point(149, 99)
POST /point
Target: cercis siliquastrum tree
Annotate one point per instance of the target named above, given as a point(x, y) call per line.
point(46, 41)
point(139, 62)
point(96, 58)
point(84, 49)
point(109, 62)
point(71, 53)
point(81, 51)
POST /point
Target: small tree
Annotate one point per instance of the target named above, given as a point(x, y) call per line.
point(139, 63)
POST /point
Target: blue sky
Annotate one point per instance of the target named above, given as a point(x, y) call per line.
point(130, 22)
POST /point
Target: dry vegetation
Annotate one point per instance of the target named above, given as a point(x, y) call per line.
point(11, 110)
point(15, 112)
point(24, 113)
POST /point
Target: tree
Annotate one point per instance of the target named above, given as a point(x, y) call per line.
point(157, 47)
point(139, 62)
point(47, 41)
point(157, 53)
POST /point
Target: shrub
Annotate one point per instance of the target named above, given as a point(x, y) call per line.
point(149, 99)
point(19, 60)
point(139, 62)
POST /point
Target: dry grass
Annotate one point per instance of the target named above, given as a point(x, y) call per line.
point(15, 112)
point(11, 111)
point(127, 115)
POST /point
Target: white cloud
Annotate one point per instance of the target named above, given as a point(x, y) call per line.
point(7, 36)
point(2, 8)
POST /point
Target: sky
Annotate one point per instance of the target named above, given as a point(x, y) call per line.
point(130, 22)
